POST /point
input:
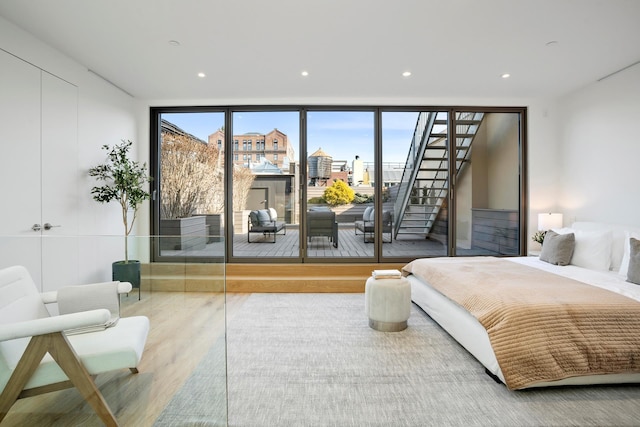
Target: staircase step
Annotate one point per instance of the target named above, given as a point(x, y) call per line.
point(458, 122)
point(415, 224)
point(436, 153)
point(438, 147)
point(468, 122)
point(444, 135)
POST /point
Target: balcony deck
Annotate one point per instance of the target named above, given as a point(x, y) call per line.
point(286, 245)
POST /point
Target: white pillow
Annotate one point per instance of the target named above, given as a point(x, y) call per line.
point(624, 265)
point(592, 249)
point(564, 230)
point(273, 214)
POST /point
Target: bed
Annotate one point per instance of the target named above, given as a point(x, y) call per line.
point(606, 351)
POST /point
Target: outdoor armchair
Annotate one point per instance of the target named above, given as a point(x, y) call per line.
point(367, 225)
point(264, 221)
point(322, 223)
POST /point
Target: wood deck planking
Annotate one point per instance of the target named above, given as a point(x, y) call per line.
point(287, 245)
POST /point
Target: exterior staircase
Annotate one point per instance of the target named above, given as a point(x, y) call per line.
point(424, 187)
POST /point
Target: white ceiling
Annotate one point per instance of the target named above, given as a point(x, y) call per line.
point(257, 49)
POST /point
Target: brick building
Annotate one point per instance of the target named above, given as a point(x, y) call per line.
point(252, 147)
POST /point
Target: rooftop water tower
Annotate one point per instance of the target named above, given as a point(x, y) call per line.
point(319, 168)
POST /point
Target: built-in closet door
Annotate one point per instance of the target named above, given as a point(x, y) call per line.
point(20, 164)
point(38, 173)
point(60, 182)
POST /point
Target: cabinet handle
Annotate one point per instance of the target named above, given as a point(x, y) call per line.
point(48, 226)
point(36, 227)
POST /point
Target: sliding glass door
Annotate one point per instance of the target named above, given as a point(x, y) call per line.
point(312, 184)
point(415, 179)
point(190, 185)
point(340, 184)
point(265, 176)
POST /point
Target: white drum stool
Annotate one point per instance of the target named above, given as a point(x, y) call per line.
point(388, 303)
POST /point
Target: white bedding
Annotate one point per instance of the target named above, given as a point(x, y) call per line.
point(471, 334)
point(610, 280)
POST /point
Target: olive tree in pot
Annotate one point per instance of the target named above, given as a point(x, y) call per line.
point(124, 181)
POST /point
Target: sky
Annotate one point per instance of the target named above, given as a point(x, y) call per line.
point(341, 134)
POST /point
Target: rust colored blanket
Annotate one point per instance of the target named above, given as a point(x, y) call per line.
point(542, 327)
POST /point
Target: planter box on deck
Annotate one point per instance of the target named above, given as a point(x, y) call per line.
point(183, 233)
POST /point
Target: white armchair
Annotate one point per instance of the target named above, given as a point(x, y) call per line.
point(37, 356)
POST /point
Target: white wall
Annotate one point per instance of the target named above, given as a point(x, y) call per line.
point(105, 116)
point(600, 151)
point(502, 152)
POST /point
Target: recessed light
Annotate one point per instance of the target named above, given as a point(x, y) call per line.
point(505, 75)
point(406, 74)
point(201, 75)
point(305, 73)
point(174, 42)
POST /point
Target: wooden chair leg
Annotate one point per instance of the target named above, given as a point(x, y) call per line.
point(58, 346)
point(33, 354)
point(68, 360)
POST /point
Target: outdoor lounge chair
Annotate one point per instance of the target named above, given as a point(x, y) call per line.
point(39, 353)
point(367, 225)
point(264, 221)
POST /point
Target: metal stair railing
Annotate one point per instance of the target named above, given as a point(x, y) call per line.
point(467, 125)
point(439, 187)
point(419, 142)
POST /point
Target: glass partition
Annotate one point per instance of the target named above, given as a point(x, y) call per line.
point(182, 373)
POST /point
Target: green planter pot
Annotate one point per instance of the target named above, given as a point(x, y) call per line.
point(127, 272)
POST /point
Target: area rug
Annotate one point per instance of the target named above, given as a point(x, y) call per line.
point(312, 360)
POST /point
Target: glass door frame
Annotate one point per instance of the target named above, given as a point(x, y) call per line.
point(377, 243)
point(155, 130)
point(229, 235)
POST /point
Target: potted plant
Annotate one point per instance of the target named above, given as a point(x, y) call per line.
point(124, 181)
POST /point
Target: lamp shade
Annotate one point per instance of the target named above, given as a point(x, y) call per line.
point(547, 221)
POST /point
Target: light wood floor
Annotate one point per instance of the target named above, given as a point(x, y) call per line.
point(184, 325)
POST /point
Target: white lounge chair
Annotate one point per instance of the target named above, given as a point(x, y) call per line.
point(37, 355)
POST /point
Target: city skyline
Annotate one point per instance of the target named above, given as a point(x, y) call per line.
point(341, 134)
